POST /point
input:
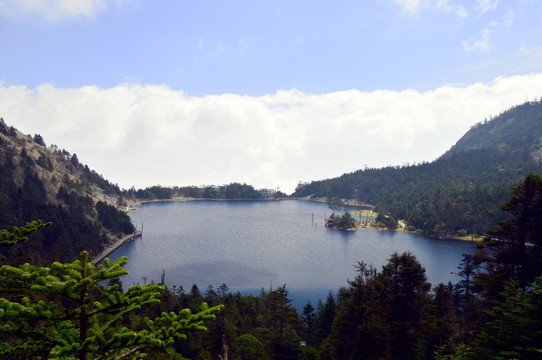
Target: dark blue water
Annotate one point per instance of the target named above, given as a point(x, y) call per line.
point(249, 245)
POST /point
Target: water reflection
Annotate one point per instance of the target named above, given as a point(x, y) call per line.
point(249, 245)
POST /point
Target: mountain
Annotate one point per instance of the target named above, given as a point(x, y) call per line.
point(46, 183)
point(517, 130)
point(458, 193)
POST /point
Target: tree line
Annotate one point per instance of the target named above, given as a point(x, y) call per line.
point(67, 311)
point(232, 191)
point(460, 192)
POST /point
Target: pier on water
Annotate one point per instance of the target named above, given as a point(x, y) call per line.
point(116, 245)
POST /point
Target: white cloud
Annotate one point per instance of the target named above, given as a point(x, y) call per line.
point(243, 46)
point(145, 135)
point(484, 6)
point(482, 43)
point(510, 16)
point(56, 9)
point(411, 7)
point(446, 7)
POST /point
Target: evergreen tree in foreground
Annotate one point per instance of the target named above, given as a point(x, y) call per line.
point(387, 314)
point(502, 314)
point(63, 311)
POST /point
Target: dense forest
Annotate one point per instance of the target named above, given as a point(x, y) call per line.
point(233, 191)
point(55, 304)
point(38, 182)
point(458, 193)
point(77, 311)
point(392, 312)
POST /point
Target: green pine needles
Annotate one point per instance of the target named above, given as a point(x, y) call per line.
point(65, 312)
point(19, 235)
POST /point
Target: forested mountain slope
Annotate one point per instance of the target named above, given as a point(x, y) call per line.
point(40, 182)
point(516, 130)
point(461, 191)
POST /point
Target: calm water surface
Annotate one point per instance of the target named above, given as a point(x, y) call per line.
point(251, 245)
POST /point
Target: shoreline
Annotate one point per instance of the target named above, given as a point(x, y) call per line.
point(114, 246)
point(132, 206)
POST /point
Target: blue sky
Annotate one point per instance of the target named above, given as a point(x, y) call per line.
point(259, 47)
point(268, 93)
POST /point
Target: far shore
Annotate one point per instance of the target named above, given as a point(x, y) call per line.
point(353, 203)
point(132, 205)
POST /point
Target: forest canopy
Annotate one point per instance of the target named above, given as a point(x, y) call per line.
point(64, 311)
point(460, 192)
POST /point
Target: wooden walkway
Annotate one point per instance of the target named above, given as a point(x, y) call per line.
point(115, 246)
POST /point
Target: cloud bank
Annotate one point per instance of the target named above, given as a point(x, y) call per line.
point(55, 10)
point(145, 135)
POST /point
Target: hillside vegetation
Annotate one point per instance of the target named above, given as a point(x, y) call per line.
point(458, 193)
point(40, 182)
point(72, 309)
point(68, 311)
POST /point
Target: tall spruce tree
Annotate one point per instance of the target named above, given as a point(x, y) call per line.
point(63, 311)
point(360, 329)
point(524, 229)
point(513, 329)
point(282, 325)
point(504, 323)
point(386, 315)
point(514, 250)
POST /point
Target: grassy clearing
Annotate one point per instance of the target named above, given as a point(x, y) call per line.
point(470, 238)
point(364, 213)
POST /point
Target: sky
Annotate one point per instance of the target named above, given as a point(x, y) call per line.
point(268, 93)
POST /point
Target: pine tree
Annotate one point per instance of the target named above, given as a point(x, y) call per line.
point(405, 291)
point(360, 329)
point(514, 326)
point(514, 251)
point(308, 319)
point(324, 318)
point(465, 286)
point(20, 235)
point(282, 325)
point(524, 228)
point(63, 311)
point(385, 315)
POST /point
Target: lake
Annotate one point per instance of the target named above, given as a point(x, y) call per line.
point(249, 245)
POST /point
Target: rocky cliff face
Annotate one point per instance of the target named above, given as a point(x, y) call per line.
point(40, 182)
